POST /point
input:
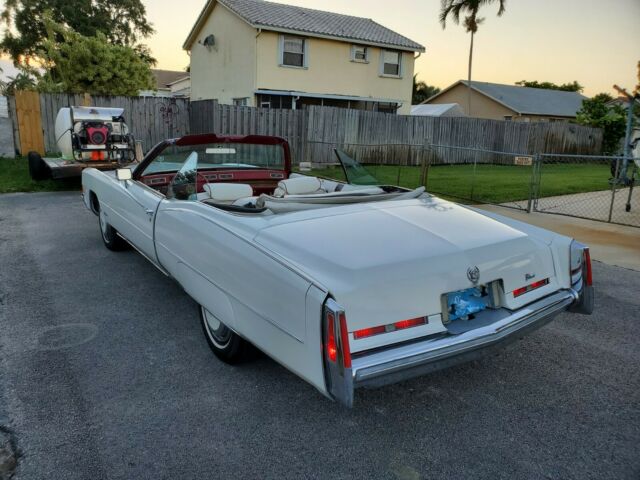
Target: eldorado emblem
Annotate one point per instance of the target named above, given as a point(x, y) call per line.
point(473, 274)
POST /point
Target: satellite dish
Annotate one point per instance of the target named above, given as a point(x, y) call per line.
point(209, 41)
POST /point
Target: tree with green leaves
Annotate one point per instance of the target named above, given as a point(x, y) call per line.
point(80, 64)
point(469, 8)
point(611, 118)
point(23, 80)
point(422, 91)
point(121, 22)
point(565, 87)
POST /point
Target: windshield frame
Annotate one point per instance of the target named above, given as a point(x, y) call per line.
point(202, 139)
point(353, 164)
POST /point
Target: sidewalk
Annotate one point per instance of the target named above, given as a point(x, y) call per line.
point(610, 244)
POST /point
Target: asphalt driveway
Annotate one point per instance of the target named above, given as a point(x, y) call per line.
point(105, 373)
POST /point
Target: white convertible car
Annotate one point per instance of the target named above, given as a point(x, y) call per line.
point(347, 284)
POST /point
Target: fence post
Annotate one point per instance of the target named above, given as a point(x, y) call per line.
point(535, 180)
point(614, 182)
point(426, 163)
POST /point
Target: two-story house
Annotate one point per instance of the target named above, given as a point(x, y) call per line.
point(265, 54)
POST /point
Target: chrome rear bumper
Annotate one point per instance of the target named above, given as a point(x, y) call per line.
point(411, 360)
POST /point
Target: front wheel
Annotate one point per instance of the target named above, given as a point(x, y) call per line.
point(226, 344)
point(110, 236)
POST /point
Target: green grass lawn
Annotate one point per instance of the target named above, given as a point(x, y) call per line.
point(490, 183)
point(14, 177)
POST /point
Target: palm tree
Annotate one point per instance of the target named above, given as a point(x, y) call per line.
point(469, 8)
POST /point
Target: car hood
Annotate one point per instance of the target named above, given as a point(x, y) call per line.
point(394, 260)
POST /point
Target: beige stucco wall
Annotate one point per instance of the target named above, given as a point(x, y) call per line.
point(481, 106)
point(331, 71)
point(227, 70)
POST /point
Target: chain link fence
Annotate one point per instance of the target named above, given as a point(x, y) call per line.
point(581, 186)
point(591, 187)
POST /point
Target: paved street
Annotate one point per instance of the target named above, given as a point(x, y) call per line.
point(105, 373)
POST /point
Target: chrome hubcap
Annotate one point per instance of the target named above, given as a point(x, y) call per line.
point(218, 332)
point(103, 225)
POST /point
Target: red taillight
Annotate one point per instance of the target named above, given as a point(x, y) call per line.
point(519, 291)
point(332, 346)
point(539, 284)
point(522, 290)
point(368, 332)
point(392, 327)
point(344, 339)
point(587, 265)
point(413, 322)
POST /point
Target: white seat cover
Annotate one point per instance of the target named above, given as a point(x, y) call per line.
point(227, 192)
point(302, 185)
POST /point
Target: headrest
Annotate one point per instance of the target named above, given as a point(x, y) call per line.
point(228, 192)
point(300, 185)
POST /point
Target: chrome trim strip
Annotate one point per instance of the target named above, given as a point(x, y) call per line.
point(396, 364)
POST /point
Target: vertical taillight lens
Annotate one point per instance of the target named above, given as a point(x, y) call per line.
point(332, 345)
point(337, 342)
point(344, 338)
point(580, 266)
point(337, 355)
point(587, 266)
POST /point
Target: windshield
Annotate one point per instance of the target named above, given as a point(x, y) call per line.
point(219, 156)
point(355, 173)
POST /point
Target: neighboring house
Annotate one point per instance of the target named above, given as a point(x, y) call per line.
point(257, 53)
point(169, 83)
point(438, 110)
point(181, 87)
point(511, 102)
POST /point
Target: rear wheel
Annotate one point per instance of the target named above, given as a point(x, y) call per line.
point(226, 345)
point(110, 236)
point(37, 168)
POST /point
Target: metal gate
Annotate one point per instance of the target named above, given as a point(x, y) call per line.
point(593, 187)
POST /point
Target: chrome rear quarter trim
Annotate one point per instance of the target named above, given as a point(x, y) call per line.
point(415, 359)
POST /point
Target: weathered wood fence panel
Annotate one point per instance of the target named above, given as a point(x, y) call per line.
point(209, 116)
point(372, 137)
point(314, 132)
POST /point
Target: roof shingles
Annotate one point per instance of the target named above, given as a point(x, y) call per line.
point(532, 101)
point(278, 16)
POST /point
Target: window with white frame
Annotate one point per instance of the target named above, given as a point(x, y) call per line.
point(359, 53)
point(391, 63)
point(242, 102)
point(293, 51)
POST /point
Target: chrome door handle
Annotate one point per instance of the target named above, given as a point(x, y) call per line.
point(149, 212)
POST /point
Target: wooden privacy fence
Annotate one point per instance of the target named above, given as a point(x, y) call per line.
point(315, 131)
point(394, 139)
point(209, 116)
point(150, 119)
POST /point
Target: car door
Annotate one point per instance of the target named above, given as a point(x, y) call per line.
point(136, 207)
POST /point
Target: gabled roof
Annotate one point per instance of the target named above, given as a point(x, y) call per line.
point(316, 23)
point(526, 100)
point(438, 110)
point(164, 78)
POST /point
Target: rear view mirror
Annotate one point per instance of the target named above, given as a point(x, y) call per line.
point(123, 174)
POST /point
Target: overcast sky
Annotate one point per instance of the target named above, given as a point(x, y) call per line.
point(596, 42)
